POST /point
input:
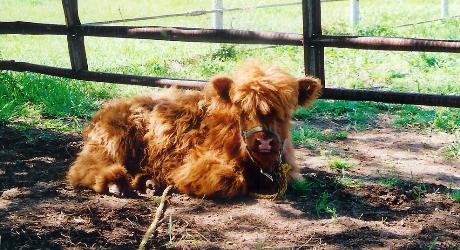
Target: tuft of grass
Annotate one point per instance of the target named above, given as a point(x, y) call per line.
point(339, 165)
point(454, 194)
point(376, 30)
point(433, 243)
point(325, 205)
point(348, 182)
point(310, 137)
point(391, 181)
point(225, 52)
point(453, 150)
point(300, 187)
point(419, 192)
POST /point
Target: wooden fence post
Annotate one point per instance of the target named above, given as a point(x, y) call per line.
point(444, 8)
point(313, 55)
point(218, 15)
point(354, 12)
point(75, 41)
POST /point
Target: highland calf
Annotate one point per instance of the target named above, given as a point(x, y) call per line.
point(223, 141)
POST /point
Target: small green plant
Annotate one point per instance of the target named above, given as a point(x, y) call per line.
point(348, 182)
point(454, 194)
point(339, 164)
point(324, 205)
point(453, 150)
point(300, 187)
point(426, 61)
point(376, 30)
point(390, 181)
point(446, 120)
point(433, 243)
point(430, 60)
point(419, 192)
point(260, 245)
point(396, 74)
point(225, 53)
point(332, 211)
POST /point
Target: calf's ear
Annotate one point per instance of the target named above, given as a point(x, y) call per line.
point(222, 85)
point(309, 90)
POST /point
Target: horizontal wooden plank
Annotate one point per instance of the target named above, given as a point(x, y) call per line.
point(387, 43)
point(100, 76)
point(28, 28)
point(194, 35)
point(328, 93)
point(391, 97)
point(156, 33)
point(234, 36)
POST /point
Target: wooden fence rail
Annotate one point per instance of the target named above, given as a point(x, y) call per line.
point(312, 40)
point(233, 36)
point(328, 93)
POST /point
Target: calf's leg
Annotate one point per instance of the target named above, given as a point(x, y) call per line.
point(96, 171)
point(208, 175)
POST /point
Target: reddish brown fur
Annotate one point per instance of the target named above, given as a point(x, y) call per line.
point(191, 139)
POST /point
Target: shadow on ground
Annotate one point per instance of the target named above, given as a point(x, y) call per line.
point(39, 210)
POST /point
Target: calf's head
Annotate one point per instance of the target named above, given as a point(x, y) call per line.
point(264, 101)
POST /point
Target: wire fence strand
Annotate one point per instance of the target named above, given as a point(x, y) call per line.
point(200, 13)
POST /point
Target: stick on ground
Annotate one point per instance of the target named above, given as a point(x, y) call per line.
point(159, 213)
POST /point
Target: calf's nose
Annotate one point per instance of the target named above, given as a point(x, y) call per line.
point(264, 144)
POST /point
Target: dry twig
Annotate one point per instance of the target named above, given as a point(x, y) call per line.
point(159, 213)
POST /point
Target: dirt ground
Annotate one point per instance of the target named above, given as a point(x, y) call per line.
point(39, 210)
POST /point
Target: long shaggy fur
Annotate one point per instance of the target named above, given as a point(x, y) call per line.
point(192, 139)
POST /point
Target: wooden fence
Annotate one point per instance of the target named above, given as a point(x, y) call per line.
point(312, 40)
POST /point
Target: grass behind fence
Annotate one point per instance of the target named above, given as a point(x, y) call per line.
point(26, 95)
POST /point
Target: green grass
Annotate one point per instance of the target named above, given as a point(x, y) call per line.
point(325, 205)
point(444, 119)
point(390, 181)
point(363, 115)
point(453, 151)
point(352, 115)
point(349, 182)
point(433, 243)
point(418, 192)
point(340, 165)
point(48, 102)
point(323, 192)
point(311, 137)
point(61, 102)
point(454, 194)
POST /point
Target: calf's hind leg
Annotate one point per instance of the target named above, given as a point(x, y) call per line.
point(94, 170)
point(210, 176)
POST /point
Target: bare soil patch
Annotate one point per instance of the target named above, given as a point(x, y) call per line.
point(39, 210)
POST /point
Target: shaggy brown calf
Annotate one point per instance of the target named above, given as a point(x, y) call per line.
point(222, 141)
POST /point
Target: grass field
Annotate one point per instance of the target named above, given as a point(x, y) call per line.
point(61, 104)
